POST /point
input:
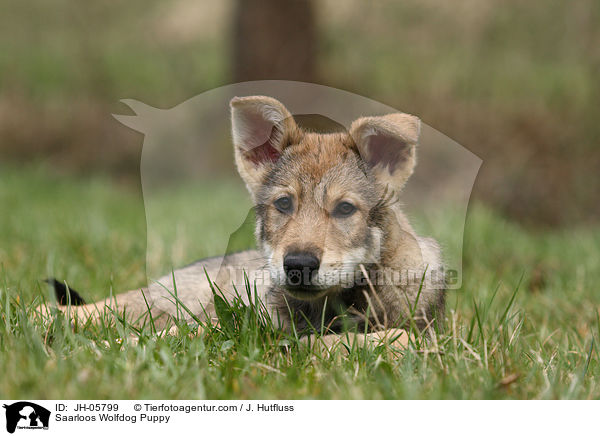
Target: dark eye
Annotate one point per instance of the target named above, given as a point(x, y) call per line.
point(344, 209)
point(284, 204)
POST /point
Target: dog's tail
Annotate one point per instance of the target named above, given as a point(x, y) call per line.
point(64, 294)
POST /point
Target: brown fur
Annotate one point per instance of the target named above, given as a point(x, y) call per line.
point(368, 166)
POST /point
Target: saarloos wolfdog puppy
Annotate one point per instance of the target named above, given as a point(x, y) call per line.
point(332, 239)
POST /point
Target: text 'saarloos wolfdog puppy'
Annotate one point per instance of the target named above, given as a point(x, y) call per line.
point(330, 233)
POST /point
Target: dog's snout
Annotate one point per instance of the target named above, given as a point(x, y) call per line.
point(299, 267)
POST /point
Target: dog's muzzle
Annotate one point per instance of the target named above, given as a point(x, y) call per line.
point(300, 267)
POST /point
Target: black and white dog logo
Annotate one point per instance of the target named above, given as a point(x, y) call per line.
point(26, 415)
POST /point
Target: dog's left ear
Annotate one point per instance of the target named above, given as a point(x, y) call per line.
point(261, 128)
point(387, 144)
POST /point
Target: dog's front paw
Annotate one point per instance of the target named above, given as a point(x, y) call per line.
point(394, 341)
point(393, 337)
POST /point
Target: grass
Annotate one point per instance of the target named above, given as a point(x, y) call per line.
point(524, 325)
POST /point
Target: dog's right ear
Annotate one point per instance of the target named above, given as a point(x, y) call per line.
point(387, 144)
point(261, 128)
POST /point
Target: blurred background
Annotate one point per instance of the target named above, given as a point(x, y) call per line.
point(515, 82)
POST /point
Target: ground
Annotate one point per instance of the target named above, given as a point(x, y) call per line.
point(525, 324)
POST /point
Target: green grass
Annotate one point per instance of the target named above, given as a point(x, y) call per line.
point(524, 325)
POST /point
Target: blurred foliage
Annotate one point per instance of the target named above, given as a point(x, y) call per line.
point(515, 82)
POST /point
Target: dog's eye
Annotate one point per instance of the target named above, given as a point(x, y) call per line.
point(284, 204)
point(344, 209)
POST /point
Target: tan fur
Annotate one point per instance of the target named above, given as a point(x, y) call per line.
point(367, 168)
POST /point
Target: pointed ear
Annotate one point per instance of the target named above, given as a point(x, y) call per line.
point(261, 128)
point(387, 144)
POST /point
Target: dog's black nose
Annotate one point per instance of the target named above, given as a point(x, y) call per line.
point(299, 268)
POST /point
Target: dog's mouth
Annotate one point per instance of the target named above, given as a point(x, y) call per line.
point(314, 290)
point(307, 285)
point(309, 292)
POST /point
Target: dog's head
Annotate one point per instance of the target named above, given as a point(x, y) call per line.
point(322, 200)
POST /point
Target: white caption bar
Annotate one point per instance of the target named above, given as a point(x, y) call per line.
point(23, 417)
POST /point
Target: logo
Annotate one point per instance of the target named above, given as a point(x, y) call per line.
point(26, 415)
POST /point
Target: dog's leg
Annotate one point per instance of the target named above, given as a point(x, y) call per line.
point(395, 341)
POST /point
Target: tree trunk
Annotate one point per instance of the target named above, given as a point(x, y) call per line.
point(274, 39)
